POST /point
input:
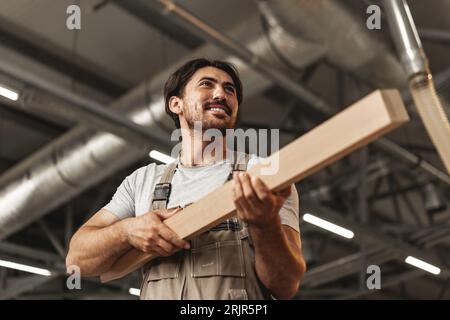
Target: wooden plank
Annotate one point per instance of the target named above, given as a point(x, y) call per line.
point(359, 124)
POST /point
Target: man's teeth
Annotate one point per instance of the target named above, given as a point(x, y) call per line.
point(217, 109)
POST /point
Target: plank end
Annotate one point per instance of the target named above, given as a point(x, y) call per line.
point(394, 105)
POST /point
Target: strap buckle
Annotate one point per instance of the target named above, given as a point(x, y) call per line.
point(162, 191)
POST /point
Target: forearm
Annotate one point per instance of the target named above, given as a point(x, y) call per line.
point(279, 267)
point(94, 250)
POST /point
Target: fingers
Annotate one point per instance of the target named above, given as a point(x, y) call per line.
point(166, 232)
point(239, 207)
point(167, 235)
point(264, 194)
point(241, 203)
point(261, 189)
point(170, 236)
point(165, 214)
point(163, 240)
point(285, 193)
point(159, 251)
point(248, 196)
point(238, 194)
point(166, 247)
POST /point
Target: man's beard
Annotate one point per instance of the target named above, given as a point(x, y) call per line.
point(208, 121)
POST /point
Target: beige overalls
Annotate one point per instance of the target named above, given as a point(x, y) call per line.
point(219, 265)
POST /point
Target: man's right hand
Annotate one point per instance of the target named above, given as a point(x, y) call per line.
point(149, 234)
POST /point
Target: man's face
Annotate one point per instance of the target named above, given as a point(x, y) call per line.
point(209, 97)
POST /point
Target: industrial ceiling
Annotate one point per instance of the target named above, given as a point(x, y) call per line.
point(60, 164)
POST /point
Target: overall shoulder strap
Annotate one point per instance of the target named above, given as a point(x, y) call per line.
point(162, 190)
point(240, 163)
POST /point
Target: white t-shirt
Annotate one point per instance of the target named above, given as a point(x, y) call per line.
point(189, 184)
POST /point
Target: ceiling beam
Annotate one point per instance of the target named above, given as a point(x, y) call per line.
point(89, 111)
point(27, 252)
point(385, 283)
point(435, 35)
point(30, 121)
point(154, 16)
point(385, 248)
point(17, 286)
point(61, 60)
point(56, 243)
point(30, 256)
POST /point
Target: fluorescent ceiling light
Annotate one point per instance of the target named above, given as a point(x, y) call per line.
point(23, 267)
point(161, 156)
point(422, 265)
point(135, 292)
point(8, 93)
point(328, 226)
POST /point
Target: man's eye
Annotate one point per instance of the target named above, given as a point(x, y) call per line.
point(205, 83)
point(229, 89)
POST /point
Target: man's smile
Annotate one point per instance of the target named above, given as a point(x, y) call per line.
point(218, 108)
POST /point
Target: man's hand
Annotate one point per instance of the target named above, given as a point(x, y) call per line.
point(255, 203)
point(149, 234)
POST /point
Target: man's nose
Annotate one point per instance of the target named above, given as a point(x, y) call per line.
point(219, 93)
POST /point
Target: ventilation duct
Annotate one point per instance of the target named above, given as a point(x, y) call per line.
point(83, 157)
point(348, 43)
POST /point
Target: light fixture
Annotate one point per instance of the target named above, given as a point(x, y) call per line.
point(7, 93)
point(328, 226)
point(134, 292)
point(26, 268)
point(422, 265)
point(161, 157)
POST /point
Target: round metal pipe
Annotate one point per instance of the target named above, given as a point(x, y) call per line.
point(90, 112)
point(406, 38)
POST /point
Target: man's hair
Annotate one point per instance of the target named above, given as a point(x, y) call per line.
point(177, 81)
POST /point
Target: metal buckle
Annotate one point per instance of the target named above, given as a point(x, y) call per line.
point(162, 191)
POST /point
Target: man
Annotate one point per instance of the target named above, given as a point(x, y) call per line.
point(254, 256)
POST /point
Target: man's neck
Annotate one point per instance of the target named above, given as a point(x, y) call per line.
point(197, 152)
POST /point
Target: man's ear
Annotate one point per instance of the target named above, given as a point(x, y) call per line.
point(176, 105)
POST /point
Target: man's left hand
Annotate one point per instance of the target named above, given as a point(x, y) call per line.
point(255, 203)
